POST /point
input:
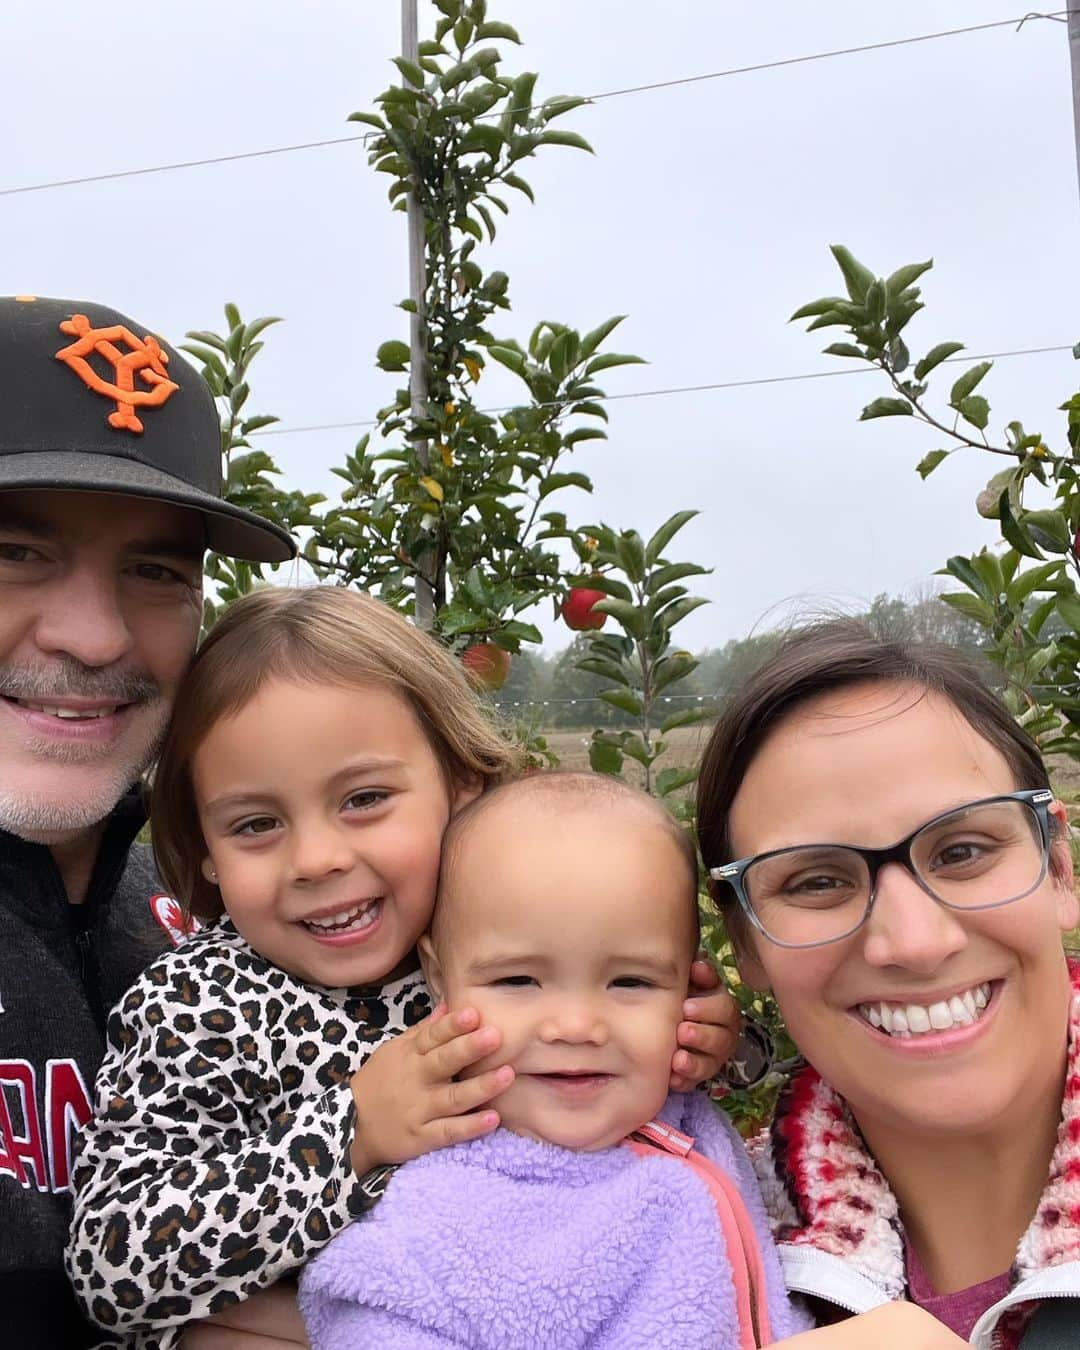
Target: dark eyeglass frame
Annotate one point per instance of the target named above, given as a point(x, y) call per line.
point(1038, 800)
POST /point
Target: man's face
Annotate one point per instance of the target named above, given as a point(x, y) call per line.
point(100, 605)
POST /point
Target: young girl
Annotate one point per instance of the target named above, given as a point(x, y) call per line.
point(567, 916)
point(319, 747)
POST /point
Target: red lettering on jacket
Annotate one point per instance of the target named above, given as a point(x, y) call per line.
point(68, 1104)
point(66, 1109)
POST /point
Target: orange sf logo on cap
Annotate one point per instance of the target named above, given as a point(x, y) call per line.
point(144, 358)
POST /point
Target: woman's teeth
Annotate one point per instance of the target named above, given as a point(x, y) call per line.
point(917, 1019)
point(348, 920)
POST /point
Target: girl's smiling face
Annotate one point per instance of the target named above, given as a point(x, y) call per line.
point(323, 810)
point(867, 765)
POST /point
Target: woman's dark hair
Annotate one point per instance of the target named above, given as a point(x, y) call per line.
point(832, 655)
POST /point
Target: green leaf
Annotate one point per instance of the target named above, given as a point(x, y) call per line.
point(1050, 529)
point(929, 462)
point(410, 71)
point(392, 356)
point(906, 276)
point(1068, 606)
point(1040, 615)
point(624, 613)
point(830, 319)
point(857, 278)
point(885, 407)
point(935, 356)
point(517, 631)
point(664, 535)
point(845, 349)
point(605, 757)
point(610, 359)
point(678, 611)
point(970, 607)
point(967, 382)
point(623, 699)
point(571, 138)
point(816, 308)
point(560, 104)
point(369, 119)
point(492, 29)
point(630, 552)
point(256, 423)
point(608, 670)
point(963, 571)
point(1013, 530)
point(592, 340)
point(1033, 579)
point(257, 326)
point(556, 481)
point(509, 357)
point(482, 137)
point(976, 410)
point(514, 181)
point(687, 717)
point(670, 780)
point(664, 576)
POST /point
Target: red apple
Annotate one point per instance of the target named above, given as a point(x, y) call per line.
point(578, 609)
point(486, 665)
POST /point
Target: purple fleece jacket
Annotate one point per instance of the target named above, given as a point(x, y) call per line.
point(510, 1244)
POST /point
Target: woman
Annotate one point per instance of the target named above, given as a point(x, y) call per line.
point(892, 865)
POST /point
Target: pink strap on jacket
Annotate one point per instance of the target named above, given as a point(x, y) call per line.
point(747, 1268)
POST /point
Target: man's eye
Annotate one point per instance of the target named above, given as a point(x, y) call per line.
point(17, 553)
point(159, 573)
point(514, 982)
point(257, 825)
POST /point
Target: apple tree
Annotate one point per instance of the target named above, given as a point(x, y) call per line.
point(1023, 593)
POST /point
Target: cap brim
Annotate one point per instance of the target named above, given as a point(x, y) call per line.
point(229, 529)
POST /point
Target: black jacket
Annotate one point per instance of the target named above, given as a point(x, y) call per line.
point(62, 967)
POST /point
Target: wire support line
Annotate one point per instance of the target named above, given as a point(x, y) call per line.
point(685, 389)
point(1016, 22)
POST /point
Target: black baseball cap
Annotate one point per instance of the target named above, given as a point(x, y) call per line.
point(91, 400)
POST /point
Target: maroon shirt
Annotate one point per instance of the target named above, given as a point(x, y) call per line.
point(959, 1311)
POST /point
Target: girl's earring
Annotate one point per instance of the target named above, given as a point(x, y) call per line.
point(213, 876)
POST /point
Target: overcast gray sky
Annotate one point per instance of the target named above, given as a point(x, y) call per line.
point(705, 216)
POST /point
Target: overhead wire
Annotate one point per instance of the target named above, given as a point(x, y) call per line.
point(1016, 22)
point(684, 389)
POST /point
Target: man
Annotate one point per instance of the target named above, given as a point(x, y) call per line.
point(110, 486)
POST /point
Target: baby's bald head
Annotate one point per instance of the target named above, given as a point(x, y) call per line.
point(545, 811)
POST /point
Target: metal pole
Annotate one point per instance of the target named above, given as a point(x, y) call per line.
point(1074, 51)
point(410, 39)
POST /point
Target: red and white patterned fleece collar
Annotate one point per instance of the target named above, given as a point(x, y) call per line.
point(824, 1190)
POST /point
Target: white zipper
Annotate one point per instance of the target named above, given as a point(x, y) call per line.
point(810, 1271)
point(822, 1275)
point(1056, 1282)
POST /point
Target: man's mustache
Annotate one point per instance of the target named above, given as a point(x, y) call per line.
point(67, 678)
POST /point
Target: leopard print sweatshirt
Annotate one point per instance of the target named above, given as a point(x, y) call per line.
point(217, 1160)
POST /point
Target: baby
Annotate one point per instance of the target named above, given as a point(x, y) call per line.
point(567, 916)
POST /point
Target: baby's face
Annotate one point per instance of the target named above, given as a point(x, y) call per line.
point(570, 930)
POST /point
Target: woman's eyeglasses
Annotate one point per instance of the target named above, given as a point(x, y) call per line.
point(980, 856)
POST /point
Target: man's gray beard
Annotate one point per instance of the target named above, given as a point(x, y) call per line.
point(44, 819)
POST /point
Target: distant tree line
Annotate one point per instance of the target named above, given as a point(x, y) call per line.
point(560, 695)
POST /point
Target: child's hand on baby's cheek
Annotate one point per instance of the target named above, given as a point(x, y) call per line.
point(407, 1099)
point(708, 1036)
